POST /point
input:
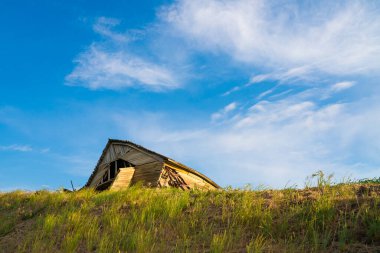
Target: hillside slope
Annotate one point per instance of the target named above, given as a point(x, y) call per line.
point(321, 219)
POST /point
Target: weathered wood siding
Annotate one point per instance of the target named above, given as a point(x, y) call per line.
point(99, 174)
point(194, 181)
point(123, 179)
point(148, 174)
point(121, 151)
point(191, 180)
point(130, 154)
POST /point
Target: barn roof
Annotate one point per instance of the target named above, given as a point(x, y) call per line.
point(136, 146)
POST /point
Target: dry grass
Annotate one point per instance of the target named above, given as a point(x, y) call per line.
point(324, 218)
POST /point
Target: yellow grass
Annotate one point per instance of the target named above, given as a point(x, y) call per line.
point(324, 218)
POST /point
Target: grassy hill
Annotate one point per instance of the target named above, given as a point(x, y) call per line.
point(324, 218)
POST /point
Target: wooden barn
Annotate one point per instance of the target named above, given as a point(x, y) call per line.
point(124, 163)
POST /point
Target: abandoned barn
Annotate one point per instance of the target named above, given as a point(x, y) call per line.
point(124, 163)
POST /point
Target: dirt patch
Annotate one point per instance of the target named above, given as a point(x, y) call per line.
point(367, 190)
point(354, 248)
point(10, 242)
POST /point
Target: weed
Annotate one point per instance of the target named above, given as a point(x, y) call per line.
point(256, 245)
point(322, 217)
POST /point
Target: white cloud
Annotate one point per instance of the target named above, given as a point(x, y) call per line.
point(234, 89)
point(104, 26)
point(98, 69)
point(110, 64)
point(283, 77)
point(273, 142)
point(15, 147)
point(342, 86)
point(224, 112)
point(290, 41)
point(340, 38)
point(24, 148)
point(230, 107)
point(265, 93)
point(259, 78)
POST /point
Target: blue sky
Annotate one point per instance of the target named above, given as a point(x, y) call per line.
point(245, 91)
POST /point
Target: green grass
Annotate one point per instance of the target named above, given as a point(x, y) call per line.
point(370, 180)
point(316, 219)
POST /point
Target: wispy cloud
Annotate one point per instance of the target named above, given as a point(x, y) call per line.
point(289, 133)
point(288, 43)
point(224, 112)
point(340, 38)
point(112, 65)
point(104, 27)
point(342, 86)
point(24, 148)
point(265, 93)
point(99, 69)
point(273, 142)
point(291, 75)
point(15, 147)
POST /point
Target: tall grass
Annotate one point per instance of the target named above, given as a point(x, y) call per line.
point(322, 217)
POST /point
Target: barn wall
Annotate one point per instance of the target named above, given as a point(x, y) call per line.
point(118, 151)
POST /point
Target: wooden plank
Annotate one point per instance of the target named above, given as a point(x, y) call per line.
point(123, 179)
point(148, 174)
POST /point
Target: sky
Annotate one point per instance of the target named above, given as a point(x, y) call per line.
point(257, 92)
